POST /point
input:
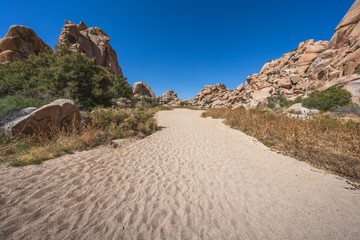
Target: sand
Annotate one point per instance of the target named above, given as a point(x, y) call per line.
point(194, 179)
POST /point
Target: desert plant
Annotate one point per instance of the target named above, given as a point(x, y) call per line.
point(329, 99)
point(323, 141)
point(348, 109)
point(93, 32)
point(64, 74)
point(103, 126)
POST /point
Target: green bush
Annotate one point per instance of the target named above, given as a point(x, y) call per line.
point(328, 100)
point(125, 122)
point(282, 101)
point(15, 103)
point(64, 74)
point(121, 88)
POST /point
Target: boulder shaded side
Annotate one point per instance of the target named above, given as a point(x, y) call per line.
point(61, 112)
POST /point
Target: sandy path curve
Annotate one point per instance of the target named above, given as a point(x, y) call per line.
point(194, 179)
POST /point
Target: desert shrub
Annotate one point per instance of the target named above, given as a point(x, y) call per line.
point(329, 99)
point(146, 103)
point(275, 72)
point(357, 69)
point(93, 32)
point(348, 109)
point(121, 88)
point(323, 141)
point(15, 103)
point(64, 74)
point(124, 122)
point(271, 102)
point(282, 101)
point(223, 86)
point(103, 126)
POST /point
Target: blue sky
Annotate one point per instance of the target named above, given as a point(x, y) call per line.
point(183, 45)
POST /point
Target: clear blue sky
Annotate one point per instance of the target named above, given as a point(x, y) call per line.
point(185, 44)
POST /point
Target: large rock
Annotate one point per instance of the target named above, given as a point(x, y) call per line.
point(169, 98)
point(284, 83)
point(297, 108)
point(142, 90)
point(342, 55)
point(19, 43)
point(14, 115)
point(59, 113)
point(93, 42)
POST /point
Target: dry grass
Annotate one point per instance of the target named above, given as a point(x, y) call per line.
point(323, 142)
point(101, 126)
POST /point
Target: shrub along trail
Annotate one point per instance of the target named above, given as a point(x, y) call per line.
point(195, 178)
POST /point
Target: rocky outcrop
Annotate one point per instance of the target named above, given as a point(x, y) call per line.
point(142, 90)
point(61, 112)
point(170, 98)
point(342, 55)
point(19, 43)
point(214, 96)
point(91, 41)
point(311, 66)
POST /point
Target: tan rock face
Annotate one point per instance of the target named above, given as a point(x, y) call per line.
point(93, 42)
point(342, 55)
point(19, 43)
point(142, 90)
point(284, 83)
point(313, 65)
point(171, 99)
point(58, 113)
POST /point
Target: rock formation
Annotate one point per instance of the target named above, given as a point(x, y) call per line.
point(58, 113)
point(142, 90)
point(170, 98)
point(19, 43)
point(93, 42)
point(312, 65)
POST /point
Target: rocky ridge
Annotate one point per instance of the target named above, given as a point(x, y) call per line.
point(311, 66)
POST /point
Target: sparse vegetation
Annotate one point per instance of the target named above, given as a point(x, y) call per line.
point(275, 73)
point(348, 109)
point(93, 32)
point(223, 86)
point(281, 101)
point(101, 127)
point(323, 141)
point(328, 100)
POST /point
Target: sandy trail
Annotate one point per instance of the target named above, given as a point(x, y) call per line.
point(194, 179)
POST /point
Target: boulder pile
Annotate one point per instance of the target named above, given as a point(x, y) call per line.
point(311, 66)
point(170, 98)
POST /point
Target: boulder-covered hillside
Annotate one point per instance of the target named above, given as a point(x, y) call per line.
point(311, 66)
